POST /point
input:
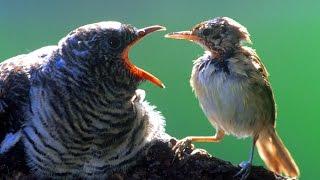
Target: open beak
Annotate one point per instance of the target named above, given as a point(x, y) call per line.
point(136, 70)
point(187, 35)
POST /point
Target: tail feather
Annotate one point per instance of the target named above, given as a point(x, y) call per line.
point(275, 155)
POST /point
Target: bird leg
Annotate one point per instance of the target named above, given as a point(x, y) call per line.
point(186, 143)
point(246, 165)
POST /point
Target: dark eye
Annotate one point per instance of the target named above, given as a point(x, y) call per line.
point(206, 32)
point(114, 42)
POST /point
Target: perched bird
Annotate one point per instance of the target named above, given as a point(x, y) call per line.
point(75, 108)
point(234, 92)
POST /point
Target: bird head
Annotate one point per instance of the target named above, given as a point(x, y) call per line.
point(104, 47)
point(219, 35)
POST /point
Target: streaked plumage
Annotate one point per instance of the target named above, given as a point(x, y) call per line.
point(234, 92)
point(76, 107)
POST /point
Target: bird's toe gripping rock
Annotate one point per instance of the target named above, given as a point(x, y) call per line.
point(244, 173)
point(183, 148)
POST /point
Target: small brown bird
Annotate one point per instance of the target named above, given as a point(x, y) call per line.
point(234, 92)
point(74, 108)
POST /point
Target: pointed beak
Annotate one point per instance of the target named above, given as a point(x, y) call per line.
point(136, 70)
point(147, 30)
point(187, 35)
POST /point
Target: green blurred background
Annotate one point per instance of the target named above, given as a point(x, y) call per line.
point(285, 34)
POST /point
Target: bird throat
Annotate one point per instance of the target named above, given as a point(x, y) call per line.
point(220, 63)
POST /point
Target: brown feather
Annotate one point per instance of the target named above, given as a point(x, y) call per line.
point(275, 155)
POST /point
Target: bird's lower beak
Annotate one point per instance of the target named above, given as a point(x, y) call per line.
point(136, 70)
point(187, 35)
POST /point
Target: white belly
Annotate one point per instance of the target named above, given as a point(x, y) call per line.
point(232, 103)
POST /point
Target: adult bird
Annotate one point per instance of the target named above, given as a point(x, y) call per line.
point(234, 92)
point(74, 108)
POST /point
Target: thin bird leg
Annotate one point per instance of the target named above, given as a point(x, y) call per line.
point(182, 146)
point(246, 165)
point(216, 138)
point(252, 152)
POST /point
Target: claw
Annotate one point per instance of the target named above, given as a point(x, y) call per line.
point(245, 170)
point(181, 147)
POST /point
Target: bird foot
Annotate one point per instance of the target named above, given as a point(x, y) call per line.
point(183, 148)
point(245, 170)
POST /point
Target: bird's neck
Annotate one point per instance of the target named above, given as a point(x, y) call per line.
point(108, 88)
point(222, 50)
point(95, 101)
point(217, 55)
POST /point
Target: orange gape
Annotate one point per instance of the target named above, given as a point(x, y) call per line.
point(138, 72)
point(147, 76)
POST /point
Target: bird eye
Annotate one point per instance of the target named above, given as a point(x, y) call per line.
point(114, 42)
point(206, 32)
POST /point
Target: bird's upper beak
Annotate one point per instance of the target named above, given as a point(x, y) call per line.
point(187, 35)
point(136, 70)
